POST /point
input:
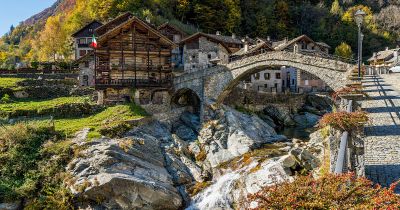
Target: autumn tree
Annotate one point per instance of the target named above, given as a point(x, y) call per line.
point(53, 40)
point(336, 9)
point(344, 50)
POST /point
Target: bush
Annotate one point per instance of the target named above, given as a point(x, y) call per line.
point(5, 99)
point(348, 90)
point(32, 161)
point(344, 121)
point(327, 192)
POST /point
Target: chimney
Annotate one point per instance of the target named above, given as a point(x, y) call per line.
point(286, 40)
point(387, 48)
point(148, 19)
point(268, 38)
point(233, 36)
point(218, 33)
point(246, 46)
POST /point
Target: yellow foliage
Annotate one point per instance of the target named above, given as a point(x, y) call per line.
point(348, 16)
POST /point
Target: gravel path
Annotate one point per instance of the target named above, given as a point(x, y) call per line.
point(382, 141)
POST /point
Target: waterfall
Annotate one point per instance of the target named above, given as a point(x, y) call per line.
point(219, 194)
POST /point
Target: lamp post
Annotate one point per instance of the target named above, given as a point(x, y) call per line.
point(359, 19)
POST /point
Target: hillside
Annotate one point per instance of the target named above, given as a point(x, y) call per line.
point(58, 7)
point(323, 20)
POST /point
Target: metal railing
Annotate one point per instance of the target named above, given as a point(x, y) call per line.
point(341, 158)
point(303, 52)
point(134, 82)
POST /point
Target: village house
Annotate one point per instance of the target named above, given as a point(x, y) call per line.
point(203, 50)
point(285, 78)
point(83, 53)
point(83, 37)
point(176, 35)
point(132, 55)
point(382, 61)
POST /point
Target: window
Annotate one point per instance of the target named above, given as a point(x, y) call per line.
point(82, 52)
point(177, 38)
point(87, 64)
point(82, 41)
point(209, 56)
point(257, 76)
point(293, 81)
point(267, 76)
point(278, 75)
point(265, 85)
point(193, 56)
point(193, 66)
point(90, 30)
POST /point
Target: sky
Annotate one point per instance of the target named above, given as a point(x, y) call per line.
point(14, 11)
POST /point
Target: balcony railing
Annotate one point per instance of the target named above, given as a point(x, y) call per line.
point(134, 82)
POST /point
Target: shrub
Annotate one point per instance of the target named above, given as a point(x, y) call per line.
point(32, 161)
point(344, 121)
point(5, 99)
point(327, 192)
point(348, 90)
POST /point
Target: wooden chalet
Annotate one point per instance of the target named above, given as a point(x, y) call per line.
point(131, 53)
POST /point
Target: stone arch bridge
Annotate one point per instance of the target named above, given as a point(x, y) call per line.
point(215, 83)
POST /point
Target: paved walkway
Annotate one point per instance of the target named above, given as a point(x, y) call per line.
point(382, 141)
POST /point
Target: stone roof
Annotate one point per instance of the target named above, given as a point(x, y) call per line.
point(383, 55)
point(226, 39)
point(280, 45)
point(253, 48)
point(167, 24)
point(323, 44)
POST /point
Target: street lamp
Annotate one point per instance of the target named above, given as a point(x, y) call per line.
point(359, 18)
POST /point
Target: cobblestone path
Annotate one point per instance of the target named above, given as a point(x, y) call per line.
point(382, 141)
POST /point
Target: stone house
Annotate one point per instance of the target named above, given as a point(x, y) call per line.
point(176, 35)
point(203, 50)
point(301, 44)
point(83, 38)
point(382, 61)
point(86, 70)
point(305, 82)
point(268, 80)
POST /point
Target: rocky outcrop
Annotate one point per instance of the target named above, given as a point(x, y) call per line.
point(127, 173)
point(233, 134)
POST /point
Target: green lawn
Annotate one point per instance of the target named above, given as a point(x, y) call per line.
point(10, 82)
point(39, 105)
point(111, 116)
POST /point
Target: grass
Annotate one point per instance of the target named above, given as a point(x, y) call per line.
point(39, 105)
point(110, 116)
point(10, 82)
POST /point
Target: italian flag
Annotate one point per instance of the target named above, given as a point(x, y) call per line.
point(94, 42)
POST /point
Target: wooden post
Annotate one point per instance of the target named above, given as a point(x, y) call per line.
point(134, 50)
point(159, 60)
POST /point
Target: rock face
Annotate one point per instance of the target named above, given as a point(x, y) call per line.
point(126, 173)
point(234, 134)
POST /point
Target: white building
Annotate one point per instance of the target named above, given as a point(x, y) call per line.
point(83, 38)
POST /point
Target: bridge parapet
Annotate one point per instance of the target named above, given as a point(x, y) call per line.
point(303, 58)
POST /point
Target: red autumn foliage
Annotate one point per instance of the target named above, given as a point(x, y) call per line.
point(327, 192)
point(344, 121)
point(346, 91)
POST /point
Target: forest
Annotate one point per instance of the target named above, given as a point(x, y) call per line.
point(330, 21)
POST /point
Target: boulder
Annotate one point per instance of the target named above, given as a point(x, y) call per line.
point(127, 173)
point(234, 134)
point(306, 120)
point(191, 120)
point(279, 115)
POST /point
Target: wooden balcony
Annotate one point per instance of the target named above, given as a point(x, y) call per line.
point(136, 83)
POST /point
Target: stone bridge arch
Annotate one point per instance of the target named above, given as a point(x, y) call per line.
point(215, 83)
point(186, 97)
